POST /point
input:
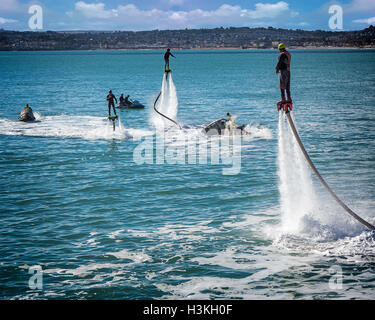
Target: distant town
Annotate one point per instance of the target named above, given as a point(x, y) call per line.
point(217, 38)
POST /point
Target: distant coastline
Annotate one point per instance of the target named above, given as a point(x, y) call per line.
point(192, 39)
point(328, 48)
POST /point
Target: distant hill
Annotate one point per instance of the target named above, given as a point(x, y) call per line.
point(261, 38)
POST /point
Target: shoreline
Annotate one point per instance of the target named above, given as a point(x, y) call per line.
point(290, 48)
point(197, 49)
point(230, 38)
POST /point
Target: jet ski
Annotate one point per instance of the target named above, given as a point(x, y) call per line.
point(135, 104)
point(217, 127)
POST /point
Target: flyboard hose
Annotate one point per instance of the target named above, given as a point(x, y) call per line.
point(342, 204)
point(156, 101)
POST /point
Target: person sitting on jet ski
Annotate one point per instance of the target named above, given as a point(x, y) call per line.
point(231, 123)
point(122, 99)
point(126, 101)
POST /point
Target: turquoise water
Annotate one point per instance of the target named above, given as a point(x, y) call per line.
point(75, 203)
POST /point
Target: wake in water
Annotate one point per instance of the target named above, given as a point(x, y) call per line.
point(68, 126)
point(167, 104)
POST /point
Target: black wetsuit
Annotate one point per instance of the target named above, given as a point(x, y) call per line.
point(166, 58)
point(111, 103)
point(127, 102)
point(283, 66)
point(122, 100)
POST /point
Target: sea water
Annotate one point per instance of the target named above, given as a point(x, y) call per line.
point(76, 205)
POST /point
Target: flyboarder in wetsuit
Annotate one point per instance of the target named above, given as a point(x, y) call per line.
point(110, 98)
point(283, 67)
point(166, 59)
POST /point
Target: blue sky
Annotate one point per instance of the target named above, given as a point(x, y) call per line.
point(181, 14)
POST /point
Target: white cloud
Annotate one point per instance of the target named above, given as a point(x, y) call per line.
point(233, 15)
point(94, 10)
point(360, 7)
point(270, 10)
point(129, 16)
point(4, 21)
point(368, 21)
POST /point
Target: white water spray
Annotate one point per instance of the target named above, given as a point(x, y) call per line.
point(70, 126)
point(297, 194)
point(167, 103)
point(119, 132)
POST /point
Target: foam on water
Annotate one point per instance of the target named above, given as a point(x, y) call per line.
point(256, 131)
point(247, 287)
point(136, 257)
point(175, 136)
point(68, 126)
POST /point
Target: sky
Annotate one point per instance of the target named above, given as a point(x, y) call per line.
point(58, 15)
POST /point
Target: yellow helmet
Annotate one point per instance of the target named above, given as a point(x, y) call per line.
point(281, 46)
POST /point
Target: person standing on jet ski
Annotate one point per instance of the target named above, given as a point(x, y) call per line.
point(166, 59)
point(110, 98)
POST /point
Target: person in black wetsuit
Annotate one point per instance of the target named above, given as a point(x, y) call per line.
point(126, 101)
point(121, 99)
point(283, 67)
point(110, 98)
point(166, 59)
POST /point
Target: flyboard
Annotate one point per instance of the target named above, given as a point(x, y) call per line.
point(287, 107)
point(113, 119)
point(167, 71)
